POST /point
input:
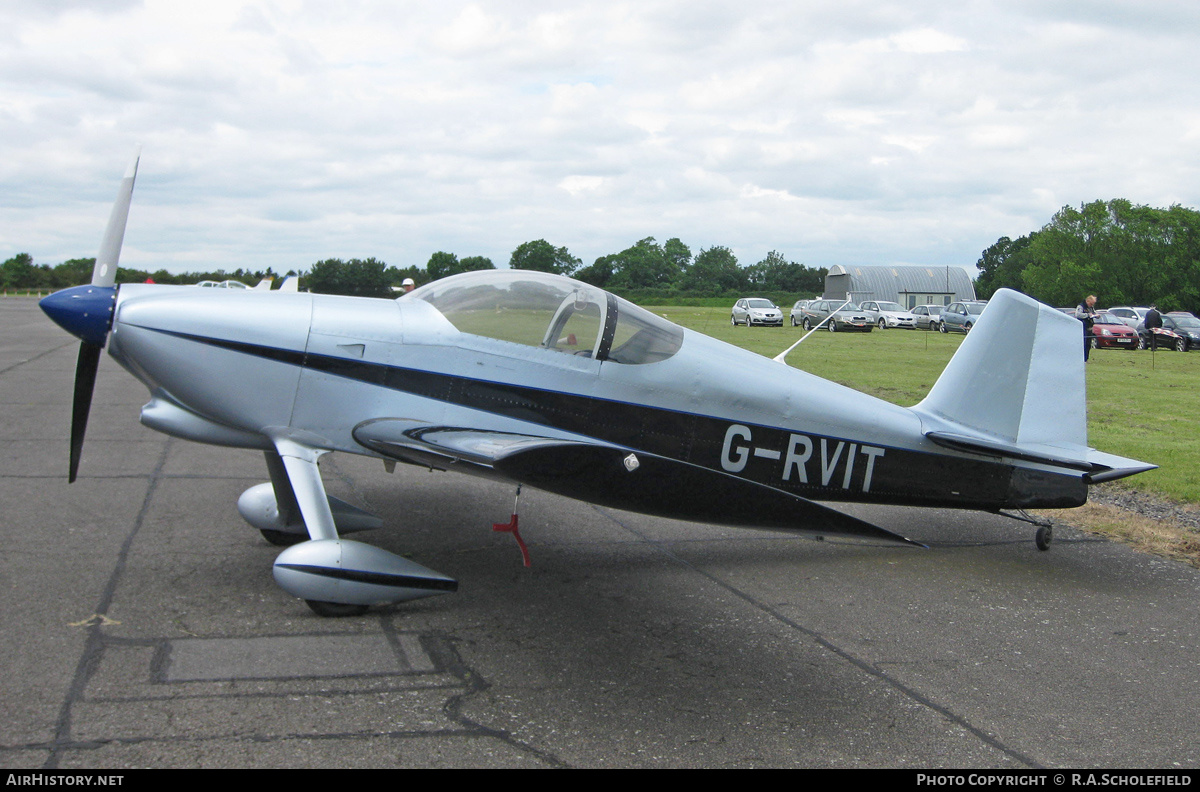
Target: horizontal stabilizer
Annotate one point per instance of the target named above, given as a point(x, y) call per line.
point(1030, 453)
point(1109, 467)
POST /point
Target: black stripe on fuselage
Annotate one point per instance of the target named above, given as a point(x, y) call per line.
point(833, 468)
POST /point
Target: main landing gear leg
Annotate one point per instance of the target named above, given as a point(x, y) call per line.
point(1045, 531)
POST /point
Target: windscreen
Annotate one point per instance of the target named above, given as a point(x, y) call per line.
point(552, 312)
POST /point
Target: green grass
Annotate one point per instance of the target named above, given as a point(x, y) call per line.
point(1140, 405)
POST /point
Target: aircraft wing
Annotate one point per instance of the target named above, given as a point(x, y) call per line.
point(608, 475)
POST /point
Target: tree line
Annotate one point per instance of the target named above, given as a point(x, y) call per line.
point(19, 273)
point(1123, 253)
point(646, 268)
point(1126, 254)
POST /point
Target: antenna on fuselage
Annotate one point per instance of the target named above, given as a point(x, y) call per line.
point(780, 358)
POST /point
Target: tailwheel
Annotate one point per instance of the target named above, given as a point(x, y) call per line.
point(335, 610)
point(1045, 531)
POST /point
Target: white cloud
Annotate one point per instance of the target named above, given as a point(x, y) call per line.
point(576, 185)
point(927, 41)
point(281, 132)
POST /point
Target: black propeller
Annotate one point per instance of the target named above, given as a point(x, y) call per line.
point(85, 383)
point(87, 312)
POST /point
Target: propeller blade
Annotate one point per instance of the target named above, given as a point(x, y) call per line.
point(85, 383)
point(105, 271)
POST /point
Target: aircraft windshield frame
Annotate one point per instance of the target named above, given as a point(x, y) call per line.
point(552, 312)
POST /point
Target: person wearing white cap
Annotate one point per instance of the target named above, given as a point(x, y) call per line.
point(408, 284)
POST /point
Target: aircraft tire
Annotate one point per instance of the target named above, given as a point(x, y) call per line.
point(283, 538)
point(335, 610)
point(1043, 538)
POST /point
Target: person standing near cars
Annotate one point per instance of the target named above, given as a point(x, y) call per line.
point(1086, 313)
point(1152, 322)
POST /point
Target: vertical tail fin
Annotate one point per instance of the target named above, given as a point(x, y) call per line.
point(1017, 378)
point(1016, 388)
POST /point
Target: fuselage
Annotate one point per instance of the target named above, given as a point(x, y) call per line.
point(245, 367)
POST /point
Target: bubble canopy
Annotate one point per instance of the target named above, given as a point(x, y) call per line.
point(551, 312)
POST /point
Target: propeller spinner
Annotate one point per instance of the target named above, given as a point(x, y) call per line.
point(87, 312)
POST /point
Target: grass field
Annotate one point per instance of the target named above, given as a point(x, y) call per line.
point(1140, 404)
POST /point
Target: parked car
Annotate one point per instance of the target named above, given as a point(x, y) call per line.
point(1180, 333)
point(889, 314)
point(756, 311)
point(850, 317)
point(1109, 331)
point(798, 311)
point(928, 316)
point(960, 317)
point(225, 284)
point(1130, 317)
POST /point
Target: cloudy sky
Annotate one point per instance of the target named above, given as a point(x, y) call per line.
point(282, 132)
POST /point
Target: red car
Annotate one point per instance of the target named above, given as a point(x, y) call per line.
point(1109, 331)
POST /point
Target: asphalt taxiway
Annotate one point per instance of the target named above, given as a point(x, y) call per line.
point(140, 626)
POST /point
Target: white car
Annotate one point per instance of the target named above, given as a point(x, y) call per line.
point(1130, 317)
point(755, 311)
point(889, 314)
point(226, 284)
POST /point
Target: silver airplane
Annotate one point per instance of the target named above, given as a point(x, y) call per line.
point(544, 381)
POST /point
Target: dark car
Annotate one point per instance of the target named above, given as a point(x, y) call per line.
point(1109, 331)
point(1180, 333)
point(849, 317)
point(960, 317)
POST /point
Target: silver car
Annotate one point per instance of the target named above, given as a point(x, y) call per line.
point(755, 311)
point(890, 314)
point(798, 311)
point(929, 317)
point(1130, 317)
point(960, 317)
